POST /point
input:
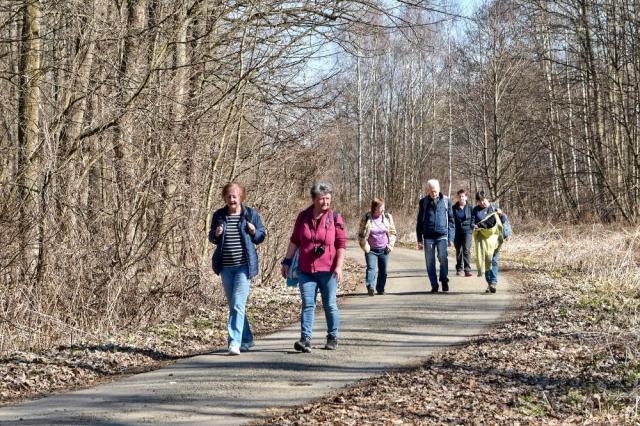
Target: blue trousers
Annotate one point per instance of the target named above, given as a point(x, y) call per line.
point(430, 248)
point(310, 285)
point(236, 288)
point(377, 261)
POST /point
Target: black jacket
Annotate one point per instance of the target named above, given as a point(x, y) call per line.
point(464, 225)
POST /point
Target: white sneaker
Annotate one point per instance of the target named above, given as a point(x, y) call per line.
point(246, 346)
point(233, 350)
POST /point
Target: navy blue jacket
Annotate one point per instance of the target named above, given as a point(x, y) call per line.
point(479, 214)
point(435, 219)
point(248, 215)
point(464, 225)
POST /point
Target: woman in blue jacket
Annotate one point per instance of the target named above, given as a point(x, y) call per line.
point(236, 229)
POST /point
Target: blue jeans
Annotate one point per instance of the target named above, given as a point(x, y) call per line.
point(491, 275)
point(377, 261)
point(430, 247)
point(235, 280)
point(310, 285)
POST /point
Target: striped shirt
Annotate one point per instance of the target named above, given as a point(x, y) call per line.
point(233, 251)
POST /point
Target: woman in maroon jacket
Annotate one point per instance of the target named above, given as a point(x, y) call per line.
point(319, 236)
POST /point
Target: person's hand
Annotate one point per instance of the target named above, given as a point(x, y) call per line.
point(500, 212)
point(387, 249)
point(284, 270)
point(475, 226)
point(251, 229)
point(338, 274)
point(450, 243)
point(219, 230)
point(420, 246)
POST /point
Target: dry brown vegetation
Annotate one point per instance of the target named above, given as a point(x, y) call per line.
point(29, 374)
point(121, 121)
point(568, 353)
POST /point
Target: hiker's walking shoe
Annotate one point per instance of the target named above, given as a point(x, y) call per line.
point(445, 287)
point(246, 346)
point(332, 343)
point(303, 345)
point(434, 290)
point(488, 290)
point(458, 273)
point(468, 274)
point(233, 350)
point(492, 288)
point(370, 291)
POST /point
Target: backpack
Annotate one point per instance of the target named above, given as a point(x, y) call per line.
point(507, 231)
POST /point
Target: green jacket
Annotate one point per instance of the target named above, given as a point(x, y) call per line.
point(487, 241)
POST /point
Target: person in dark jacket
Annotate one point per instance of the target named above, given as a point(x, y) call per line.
point(462, 215)
point(236, 229)
point(435, 230)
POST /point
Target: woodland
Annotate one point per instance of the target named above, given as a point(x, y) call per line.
point(121, 121)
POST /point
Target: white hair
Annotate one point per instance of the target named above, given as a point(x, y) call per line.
point(433, 183)
point(320, 188)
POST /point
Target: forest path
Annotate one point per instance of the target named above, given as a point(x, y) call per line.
point(376, 334)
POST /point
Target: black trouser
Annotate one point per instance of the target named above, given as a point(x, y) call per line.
point(463, 250)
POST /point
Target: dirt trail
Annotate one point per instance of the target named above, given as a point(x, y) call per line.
point(376, 334)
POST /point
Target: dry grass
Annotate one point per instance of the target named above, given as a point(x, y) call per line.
point(568, 352)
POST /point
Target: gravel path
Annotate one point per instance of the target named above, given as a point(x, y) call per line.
point(376, 334)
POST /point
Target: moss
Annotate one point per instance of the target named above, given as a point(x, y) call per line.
point(531, 405)
point(201, 323)
point(576, 397)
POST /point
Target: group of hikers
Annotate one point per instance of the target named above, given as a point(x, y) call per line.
point(317, 247)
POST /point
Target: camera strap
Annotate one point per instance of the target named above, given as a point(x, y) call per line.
point(326, 229)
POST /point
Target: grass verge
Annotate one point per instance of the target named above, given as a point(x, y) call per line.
point(29, 375)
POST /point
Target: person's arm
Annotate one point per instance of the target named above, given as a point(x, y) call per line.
point(339, 261)
point(216, 229)
point(341, 246)
point(294, 244)
point(419, 225)
point(288, 258)
point(393, 233)
point(452, 223)
point(361, 228)
point(473, 216)
point(256, 229)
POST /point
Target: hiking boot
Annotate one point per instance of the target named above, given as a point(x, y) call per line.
point(434, 290)
point(370, 291)
point(468, 274)
point(332, 343)
point(303, 345)
point(246, 346)
point(445, 286)
point(381, 293)
point(492, 288)
point(458, 273)
point(233, 350)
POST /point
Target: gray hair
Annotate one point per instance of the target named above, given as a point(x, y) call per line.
point(319, 189)
point(433, 183)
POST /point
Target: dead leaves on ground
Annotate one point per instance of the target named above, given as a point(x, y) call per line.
point(554, 359)
point(28, 375)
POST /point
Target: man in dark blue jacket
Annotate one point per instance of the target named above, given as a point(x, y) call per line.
point(462, 214)
point(435, 230)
